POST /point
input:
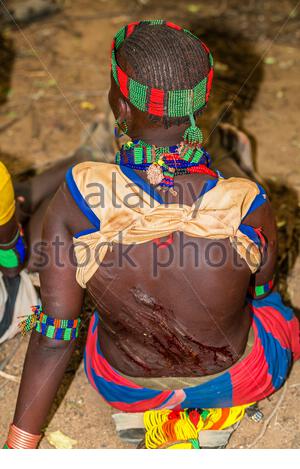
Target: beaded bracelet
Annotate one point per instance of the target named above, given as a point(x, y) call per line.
point(261, 290)
point(59, 329)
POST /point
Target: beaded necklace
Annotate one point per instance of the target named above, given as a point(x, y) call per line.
point(163, 164)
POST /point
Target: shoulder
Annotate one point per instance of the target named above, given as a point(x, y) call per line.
point(240, 184)
point(246, 186)
point(260, 211)
point(241, 197)
point(69, 206)
point(245, 193)
point(89, 170)
point(85, 176)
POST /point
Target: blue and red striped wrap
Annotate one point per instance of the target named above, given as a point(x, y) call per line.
point(259, 374)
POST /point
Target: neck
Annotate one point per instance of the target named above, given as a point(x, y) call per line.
point(160, 137)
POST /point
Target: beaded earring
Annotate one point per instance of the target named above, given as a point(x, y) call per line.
point(193, 135)
point(123, 127)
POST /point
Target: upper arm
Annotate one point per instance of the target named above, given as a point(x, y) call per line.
point(263, 218)
point(61, 295)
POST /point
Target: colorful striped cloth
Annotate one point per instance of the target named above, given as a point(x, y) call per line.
point(259, 374)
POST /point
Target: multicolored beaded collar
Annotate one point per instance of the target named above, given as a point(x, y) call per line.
point(164, 163)
point(159, 102)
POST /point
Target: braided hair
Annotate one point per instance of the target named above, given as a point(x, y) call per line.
point(164, 58)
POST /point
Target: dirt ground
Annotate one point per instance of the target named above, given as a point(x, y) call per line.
point(54, 78)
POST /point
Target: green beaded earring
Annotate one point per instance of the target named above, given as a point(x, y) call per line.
point(123, 127)
point(193, 135)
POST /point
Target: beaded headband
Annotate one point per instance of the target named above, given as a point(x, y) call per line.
point(158, 102)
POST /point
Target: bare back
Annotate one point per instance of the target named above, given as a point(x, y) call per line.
point(172, 310)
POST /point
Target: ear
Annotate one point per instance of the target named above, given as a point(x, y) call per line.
point(124, 111)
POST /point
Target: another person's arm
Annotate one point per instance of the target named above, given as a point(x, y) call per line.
point(12, 247)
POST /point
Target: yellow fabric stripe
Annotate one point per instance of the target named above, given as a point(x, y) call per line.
point(7, 196)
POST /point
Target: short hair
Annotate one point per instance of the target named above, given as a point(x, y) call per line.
point(164, 58)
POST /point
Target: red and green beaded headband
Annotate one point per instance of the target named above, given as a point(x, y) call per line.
point(158, 102)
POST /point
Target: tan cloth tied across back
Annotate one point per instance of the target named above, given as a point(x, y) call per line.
point(129, 211)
